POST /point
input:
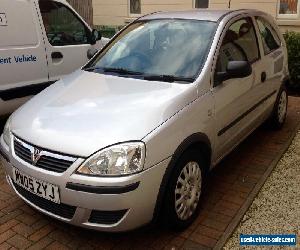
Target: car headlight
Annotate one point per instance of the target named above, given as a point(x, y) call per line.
point(122, 159)
point(6, 132)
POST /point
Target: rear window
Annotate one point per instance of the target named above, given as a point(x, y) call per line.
point(270, 39)
point(17, 28)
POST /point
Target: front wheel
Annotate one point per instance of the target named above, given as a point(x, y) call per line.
point(279, 113)
point(184, 190)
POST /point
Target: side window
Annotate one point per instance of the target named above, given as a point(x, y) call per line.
point(62, 26)
point(239, 44)
point(269, 37)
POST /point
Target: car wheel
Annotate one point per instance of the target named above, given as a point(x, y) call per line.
point(181, 205)
point(279, 113)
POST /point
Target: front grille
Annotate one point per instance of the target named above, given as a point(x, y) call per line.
point(62, 210)
point(48, 160)
point(106, 217)
point(22, 152)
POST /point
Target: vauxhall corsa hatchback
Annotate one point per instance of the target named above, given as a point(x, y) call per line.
point(133, 133)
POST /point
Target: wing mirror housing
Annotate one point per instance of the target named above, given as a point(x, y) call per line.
point(95, 36)
point(235, 69)
point(91, 52)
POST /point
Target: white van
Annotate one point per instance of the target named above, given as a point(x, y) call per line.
point(41, 40)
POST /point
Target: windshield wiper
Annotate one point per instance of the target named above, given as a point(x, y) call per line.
point(162, 78)
point(120, 71)
point(91, 69)
point(168, 78)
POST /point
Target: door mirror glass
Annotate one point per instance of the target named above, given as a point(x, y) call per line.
point(235, 69)
point(239, 69)
point(95, 36)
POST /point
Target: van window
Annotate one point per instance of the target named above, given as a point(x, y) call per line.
point(239, 44)
point(62, 26)
point(10, 32)
point(270, 39)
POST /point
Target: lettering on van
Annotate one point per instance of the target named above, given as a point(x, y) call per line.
point(3, 19)
point(18, 59)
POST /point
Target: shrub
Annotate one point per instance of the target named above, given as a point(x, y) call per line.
point(108, 31)
point(293, 47)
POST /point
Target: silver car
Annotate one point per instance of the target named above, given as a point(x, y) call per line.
point(133, 134)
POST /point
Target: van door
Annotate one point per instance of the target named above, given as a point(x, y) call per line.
point(68, 38)
point(23, 64)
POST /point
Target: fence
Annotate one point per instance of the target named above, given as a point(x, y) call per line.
point(84, 8)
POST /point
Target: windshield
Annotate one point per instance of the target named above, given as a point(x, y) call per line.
point(167, 50)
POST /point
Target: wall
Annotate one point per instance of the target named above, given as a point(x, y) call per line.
point(115, 12)
point(149, 6)
point(110, 12)
point(269, 6)
point(218, 4)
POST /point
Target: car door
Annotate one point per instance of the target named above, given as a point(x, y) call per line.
point(68, 38)
point(235, 99)
point(272, 58)
point(23, 64)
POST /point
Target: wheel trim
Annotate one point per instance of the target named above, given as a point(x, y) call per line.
point(282, 107)
point(188, 190)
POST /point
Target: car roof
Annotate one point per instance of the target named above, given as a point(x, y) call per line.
point(197, 14)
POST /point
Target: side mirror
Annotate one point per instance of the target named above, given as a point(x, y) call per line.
point(239, 69)
point(91, 52)
point(235, 69)
point(95, 36)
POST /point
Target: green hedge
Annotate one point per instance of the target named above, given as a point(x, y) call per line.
point(293, 46)
point(108, 31)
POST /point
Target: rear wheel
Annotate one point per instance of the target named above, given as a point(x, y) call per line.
point(279, 113)
point(184, 190)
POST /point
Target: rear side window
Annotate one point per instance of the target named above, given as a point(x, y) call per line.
point(62, 26)
point(270, 39)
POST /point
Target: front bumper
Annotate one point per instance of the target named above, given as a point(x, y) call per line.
point(126, 203)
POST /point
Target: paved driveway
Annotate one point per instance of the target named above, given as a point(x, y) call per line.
point(233, 185)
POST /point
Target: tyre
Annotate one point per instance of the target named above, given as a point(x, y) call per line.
point(279, 113)
point(183, 194)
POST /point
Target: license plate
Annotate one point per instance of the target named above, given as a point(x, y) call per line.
point(40, 188)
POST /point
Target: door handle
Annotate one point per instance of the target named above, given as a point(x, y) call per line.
point(263, 76)
point(57, 55)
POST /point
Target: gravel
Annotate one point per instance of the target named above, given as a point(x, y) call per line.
point(276, 209)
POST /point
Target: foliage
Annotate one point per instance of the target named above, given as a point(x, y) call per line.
point(108, 31)
point(293, 46)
